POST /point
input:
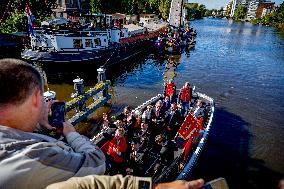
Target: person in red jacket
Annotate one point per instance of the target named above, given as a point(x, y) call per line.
point(170, 90)
point(116, 153)
point(185, 98)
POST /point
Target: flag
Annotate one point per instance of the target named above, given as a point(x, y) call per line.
point(31, 18)
point(186, 131)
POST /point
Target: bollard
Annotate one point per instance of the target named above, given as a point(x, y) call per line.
point(102, 78)
point(78, 86)
point(79, 90)
point(49, 95)
point(101, 75)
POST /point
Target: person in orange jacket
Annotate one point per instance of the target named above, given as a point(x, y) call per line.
point(185, 98)
point(170, 90)
point(115, 153)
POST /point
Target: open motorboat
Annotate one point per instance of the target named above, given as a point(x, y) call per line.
point(189, 141)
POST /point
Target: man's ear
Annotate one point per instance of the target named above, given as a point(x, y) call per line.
point(36, 98)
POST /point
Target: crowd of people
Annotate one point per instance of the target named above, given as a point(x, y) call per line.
point(32, 160)
point(132, 138)
point(175, 38)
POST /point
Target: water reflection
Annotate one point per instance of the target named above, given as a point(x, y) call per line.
point(171, 64)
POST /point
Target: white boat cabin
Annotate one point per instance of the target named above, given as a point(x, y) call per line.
point(65, 40)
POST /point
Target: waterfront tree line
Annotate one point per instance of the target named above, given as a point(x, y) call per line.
point(13, 19)
point(13, 11)
point(275, 19)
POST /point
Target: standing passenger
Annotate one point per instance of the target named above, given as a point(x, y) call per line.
point(170, 90)
point(185, 98)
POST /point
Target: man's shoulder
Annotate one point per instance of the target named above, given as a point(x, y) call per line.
point(7, 133)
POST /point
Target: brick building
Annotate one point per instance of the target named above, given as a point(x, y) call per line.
point(264, 8)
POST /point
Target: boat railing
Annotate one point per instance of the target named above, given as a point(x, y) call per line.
point(140, 108)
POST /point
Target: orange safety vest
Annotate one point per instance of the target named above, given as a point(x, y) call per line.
point(170, 89)
point(185, 94)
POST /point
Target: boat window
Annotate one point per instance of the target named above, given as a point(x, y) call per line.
point(77, 43)
point(97, 42)
point(88, 43)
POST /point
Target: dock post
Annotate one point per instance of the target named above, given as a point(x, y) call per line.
point(79, 90)
point(102, 78)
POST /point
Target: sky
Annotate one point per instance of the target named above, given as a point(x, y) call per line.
point(216, 4)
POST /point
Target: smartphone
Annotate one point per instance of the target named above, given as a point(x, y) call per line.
point(57, 116)
point(219, 183)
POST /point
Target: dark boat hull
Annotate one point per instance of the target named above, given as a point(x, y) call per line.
point(83, 59)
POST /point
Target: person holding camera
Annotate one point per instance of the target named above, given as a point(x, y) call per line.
point(32, 160)
point(28, 159)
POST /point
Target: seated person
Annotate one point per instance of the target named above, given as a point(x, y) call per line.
point(137, 123)
point(144, 135)
point(115, 153)
point(173, 121)
point(106, 133)
point(158, 118)
point(148, 113)
point(199, 109)
point(119, 124)
point(105, 123)
point(134, 161)
point(167, 148)
point(167, 103)
point(123, 116)
point(130, 123)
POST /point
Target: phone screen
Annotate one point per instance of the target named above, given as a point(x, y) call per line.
point(57, 114)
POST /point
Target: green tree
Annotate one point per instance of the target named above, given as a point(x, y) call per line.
point(240, 13)
point(164, 8)
point(154, 6)
point(15, 20)
point(95, 6)
point(127, 6)
point(208, 13)
point(195, 11)
point(14, 23)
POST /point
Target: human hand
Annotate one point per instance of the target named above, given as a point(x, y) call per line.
point(68, 128)
point(115, 149)
point(180, 184)
point(43, 122)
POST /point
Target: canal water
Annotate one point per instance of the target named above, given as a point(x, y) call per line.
point(242, 67)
